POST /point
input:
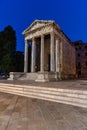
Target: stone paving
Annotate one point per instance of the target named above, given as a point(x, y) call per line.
point(21, 113)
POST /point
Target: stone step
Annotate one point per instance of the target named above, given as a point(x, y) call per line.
point(38, 92)
point(60, 99)
point(56, 91)
point(67, 96)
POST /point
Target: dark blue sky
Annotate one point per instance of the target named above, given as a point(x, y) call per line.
point(71, 15)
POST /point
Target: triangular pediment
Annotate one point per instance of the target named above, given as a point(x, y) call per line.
point(37, 24)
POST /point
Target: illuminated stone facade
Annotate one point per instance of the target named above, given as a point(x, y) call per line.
point(52, 53)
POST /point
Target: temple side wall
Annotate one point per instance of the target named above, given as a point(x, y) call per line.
point(69, 61)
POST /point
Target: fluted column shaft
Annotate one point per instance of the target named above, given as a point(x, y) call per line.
point(57, 55)
point(42, 54)
point(26, 57)
point(52, 67)
point(33, 56)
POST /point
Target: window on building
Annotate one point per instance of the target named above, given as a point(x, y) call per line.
point(86, 46)
point(79, 72)
point(86, 54)
point(76, 44)
point(79, 64)
point(86, 63)
point(78, 55)
point(80, 48)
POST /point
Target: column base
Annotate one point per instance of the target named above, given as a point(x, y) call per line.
point(11, 76)
point(46, 77)
point(42, 77)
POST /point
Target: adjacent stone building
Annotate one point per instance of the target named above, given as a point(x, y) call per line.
point(52, 53)
point(81, 59)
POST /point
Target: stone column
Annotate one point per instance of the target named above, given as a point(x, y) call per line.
point(42, 54)
point(61, 59)
point(52, 66)
point(33, 56)
point(57, 55)
point(26, 57)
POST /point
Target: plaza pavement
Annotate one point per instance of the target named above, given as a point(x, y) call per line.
point(23, 113)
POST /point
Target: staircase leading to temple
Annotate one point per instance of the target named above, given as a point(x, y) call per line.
point(68, 96)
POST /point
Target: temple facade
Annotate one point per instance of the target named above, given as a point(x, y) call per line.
point(52, 53)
